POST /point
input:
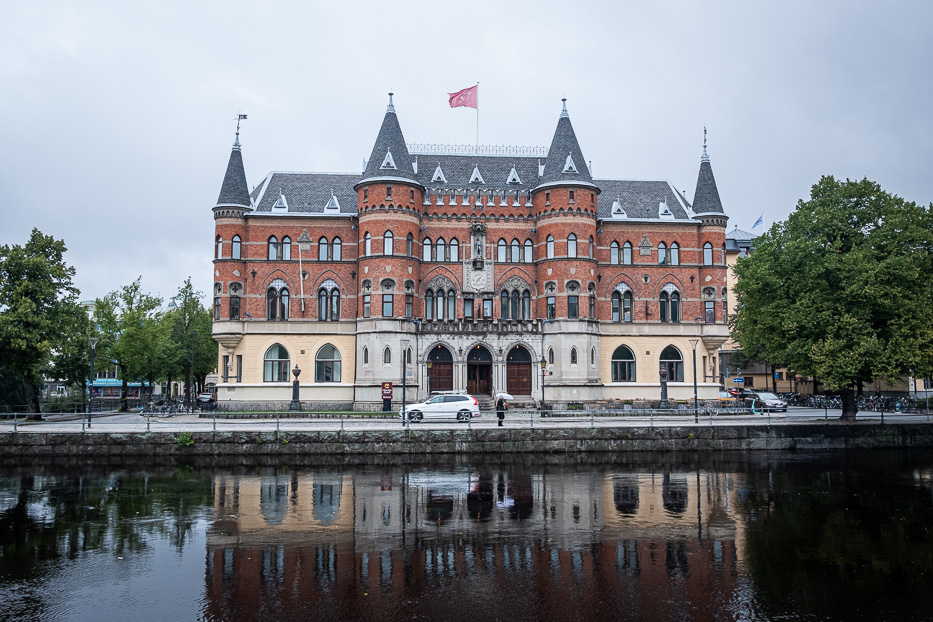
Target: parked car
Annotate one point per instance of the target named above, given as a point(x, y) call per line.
point(460, 407)
point(205, 399)
point(765, 400)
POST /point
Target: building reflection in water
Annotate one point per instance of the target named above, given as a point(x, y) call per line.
point(294, 542)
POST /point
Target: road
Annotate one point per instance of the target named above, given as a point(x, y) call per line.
point(117, 423)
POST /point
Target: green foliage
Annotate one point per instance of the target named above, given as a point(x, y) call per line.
point(37, 300)
point(192, 352)
point(185, 439)
point(842, 289)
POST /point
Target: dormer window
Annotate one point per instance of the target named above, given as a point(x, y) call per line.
point(513, 177)
point(388, 161)
point(476, 177)
point(439, 175)
point(332, 205)
point(569, 166)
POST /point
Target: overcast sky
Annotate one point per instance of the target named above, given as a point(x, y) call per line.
point(116, 118)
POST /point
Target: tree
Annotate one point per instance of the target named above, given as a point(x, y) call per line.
point(194, 350)
point(842, 289)
point(71, 359)
point(129, 332)
point(36, 300)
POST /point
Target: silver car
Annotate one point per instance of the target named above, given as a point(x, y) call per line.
point(459, 407)
point(765, 400)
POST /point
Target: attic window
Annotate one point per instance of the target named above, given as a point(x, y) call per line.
point(569, 166)
point(476, 177)
point(439, 175)
point(513, 177)
point(332, 204)
point(388, 162)
point(281, 202)
point(617, 209)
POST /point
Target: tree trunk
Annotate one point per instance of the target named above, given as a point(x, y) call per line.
point(123, 390)
point(32, 401)
point(849, 407)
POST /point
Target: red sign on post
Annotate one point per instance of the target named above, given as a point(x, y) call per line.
point(387, 390)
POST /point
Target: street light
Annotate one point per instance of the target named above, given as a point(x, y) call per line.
point(90, 389)
point(405, 343)
point(696, 414)
point(428, 367)
point(543, 362)
point(295, 404)
point(304, 245)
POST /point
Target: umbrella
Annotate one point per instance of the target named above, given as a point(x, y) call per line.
point(504, 396)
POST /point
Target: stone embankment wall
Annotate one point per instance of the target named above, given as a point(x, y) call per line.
point(419, 442)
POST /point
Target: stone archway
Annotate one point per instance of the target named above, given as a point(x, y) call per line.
point(479, 371)
point(441, 374)
point(518, 371)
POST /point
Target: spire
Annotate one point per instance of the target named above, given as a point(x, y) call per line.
point(565, 161)
point(390, 157)
point(234, 190)
point(706, 198)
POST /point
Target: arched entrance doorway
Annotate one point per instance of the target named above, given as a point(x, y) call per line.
point(479, 371)
point(518, 371)
point(441, 373)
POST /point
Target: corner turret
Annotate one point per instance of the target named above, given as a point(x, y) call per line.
point(565, 164)
point(390, 160)
point(706, 203)
point(234, 200)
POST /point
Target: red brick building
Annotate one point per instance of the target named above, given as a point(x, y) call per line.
point(479, 263)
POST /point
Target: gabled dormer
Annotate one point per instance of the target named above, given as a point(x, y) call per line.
point(476, 177)
point(438, 175)
point(513, 177)
point(281, 204)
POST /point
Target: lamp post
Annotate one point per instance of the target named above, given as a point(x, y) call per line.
point(428, 367)
point(543, 362)
point(696, 415)
point(304, 245)
point(295, 404)
point(405, 343)
point(90, 389)
point(189, 399)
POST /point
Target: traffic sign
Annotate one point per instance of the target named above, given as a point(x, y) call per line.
point(738, 380)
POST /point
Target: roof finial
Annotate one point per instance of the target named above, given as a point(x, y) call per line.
point(236, 141)
point(705, 157)
point(391, 107)
point(564, 111)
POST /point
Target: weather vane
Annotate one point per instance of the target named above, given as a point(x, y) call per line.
point(239, 118)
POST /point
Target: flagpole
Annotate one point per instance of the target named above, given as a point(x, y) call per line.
point(477, 118)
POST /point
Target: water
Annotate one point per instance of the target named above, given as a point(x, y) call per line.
point(844, 536)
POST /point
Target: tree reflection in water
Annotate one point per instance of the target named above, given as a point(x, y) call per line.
point(760, 536)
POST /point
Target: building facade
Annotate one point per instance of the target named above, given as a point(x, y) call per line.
point(502, 269)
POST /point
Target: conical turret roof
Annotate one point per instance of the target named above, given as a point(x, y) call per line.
point(234, 190)
point(390, 159)
point(565, 162)
point(706, 198)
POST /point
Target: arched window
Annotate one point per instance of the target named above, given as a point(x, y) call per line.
point(236, 248)
point(550, 356)
point(429, 304)
point(440, 249)
point(322, 249)
point(529, 252)
point(662, 253)
point(675, 254)
point(627, 253)
point(514, 305)
point(275, 364)
point(526, 305)
point(440, 304)
point(454, 248)
point(327, 364)
point(451, 304)
point(368, 244)
point(722, 255)
point(277, 301)
point(387, 243)
point(592, 356)
point(409, 245)
point(365, 355)
point(426, 249)
point(614, 253)
point(504, 306)
point(220, 248)
point(572, 245)
point(707, 254)
point(590, 248)
point(286, 248)
point(500, 251)
point(337, 249)
point(669, 310)
point(515, 251)
point(622, 305)
point(273, 249)
point(673, 362)
point(675, 306)
point(328, 302)
point(663, 307)
point(387, 356)
point(623, 365)
point(322, 305)
point(573, 356)
point(550, 247)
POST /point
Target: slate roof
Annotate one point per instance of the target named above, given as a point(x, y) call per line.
point(495, 170)
point(563, 144)
point(233, 190)
point(706, 200)
point(307, 192)
point(640, 198)
point(390, 140)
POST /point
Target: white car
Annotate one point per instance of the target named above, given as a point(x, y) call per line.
point(459, 407)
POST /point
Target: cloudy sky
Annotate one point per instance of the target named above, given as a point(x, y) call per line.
point(116, 118)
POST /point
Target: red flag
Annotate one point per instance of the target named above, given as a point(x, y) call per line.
point(467, 98)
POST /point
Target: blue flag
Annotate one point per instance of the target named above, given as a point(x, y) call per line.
point(759, 221)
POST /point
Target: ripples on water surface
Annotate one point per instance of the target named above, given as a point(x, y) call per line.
point(764, 536)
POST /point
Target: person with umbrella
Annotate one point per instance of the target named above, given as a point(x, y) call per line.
point(502, 406)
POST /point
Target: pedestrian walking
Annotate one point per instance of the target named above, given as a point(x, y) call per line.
point(500, 410)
